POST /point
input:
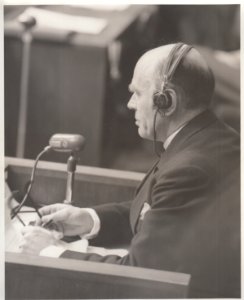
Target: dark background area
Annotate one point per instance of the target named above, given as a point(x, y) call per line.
point(79, 83)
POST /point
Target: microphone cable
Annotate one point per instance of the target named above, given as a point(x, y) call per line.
point(16, 209)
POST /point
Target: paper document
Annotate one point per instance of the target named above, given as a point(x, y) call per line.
point(13, 236)
point(13, 227)
point(55, 20)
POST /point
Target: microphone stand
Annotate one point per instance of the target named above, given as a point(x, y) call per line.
point(71, 167)
point(28, 23)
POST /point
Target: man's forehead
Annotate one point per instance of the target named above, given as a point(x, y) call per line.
point(139, 85)
point(141, 79)
point(144, 68)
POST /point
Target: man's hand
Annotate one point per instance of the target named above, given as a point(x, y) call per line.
point(70, 220)
point(36, 238)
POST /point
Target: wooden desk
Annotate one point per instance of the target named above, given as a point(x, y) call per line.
point(50, 278)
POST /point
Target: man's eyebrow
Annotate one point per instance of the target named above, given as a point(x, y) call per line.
point(130, 86)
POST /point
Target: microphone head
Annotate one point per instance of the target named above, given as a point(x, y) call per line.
point(67, 142)
point(27, 21)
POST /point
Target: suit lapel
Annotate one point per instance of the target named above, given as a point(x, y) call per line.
point(140, 198)
point(145, 177)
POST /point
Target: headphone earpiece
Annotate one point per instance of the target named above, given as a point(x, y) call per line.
point(162, 100)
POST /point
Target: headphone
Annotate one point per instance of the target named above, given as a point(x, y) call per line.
point(162, 98)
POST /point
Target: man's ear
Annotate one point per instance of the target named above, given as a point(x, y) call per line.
point(174, 102)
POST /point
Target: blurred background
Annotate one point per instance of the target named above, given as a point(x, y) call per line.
point(67, 70)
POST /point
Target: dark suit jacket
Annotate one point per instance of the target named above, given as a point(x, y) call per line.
point(193, 225)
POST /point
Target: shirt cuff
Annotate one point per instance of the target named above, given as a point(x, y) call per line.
point(52, 251)
point(96, 224)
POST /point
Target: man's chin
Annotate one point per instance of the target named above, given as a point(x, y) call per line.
point(144, 135)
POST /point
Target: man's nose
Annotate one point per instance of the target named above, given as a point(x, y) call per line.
point(132, 103)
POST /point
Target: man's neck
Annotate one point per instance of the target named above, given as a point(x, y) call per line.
point(177, 126)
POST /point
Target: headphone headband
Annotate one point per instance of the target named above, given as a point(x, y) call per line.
point(174, 58)
point(162, 98)
point(170, 59)
point(183, 50)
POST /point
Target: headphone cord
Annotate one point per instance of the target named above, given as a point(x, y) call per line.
point(155, 133)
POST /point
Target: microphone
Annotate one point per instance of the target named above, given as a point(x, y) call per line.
point(27, 21)
point(72, 143)
point(67, 142)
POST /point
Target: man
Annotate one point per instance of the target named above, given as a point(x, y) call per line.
point(185, 215)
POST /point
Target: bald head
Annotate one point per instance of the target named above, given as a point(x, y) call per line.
point(160, 54)
point(193, 80)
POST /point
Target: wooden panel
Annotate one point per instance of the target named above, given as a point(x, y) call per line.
point(92, 185)
point(44, 278)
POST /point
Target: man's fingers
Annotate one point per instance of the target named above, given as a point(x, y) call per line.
point(32, 249)
point(38, 222)
point(49, 209)
point(25, 249)
point(35, 230)
point(59, 216)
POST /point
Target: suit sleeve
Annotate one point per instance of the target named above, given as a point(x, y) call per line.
point(115, 224)
point(158, 239)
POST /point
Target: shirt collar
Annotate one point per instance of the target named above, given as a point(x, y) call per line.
point(170, 138)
